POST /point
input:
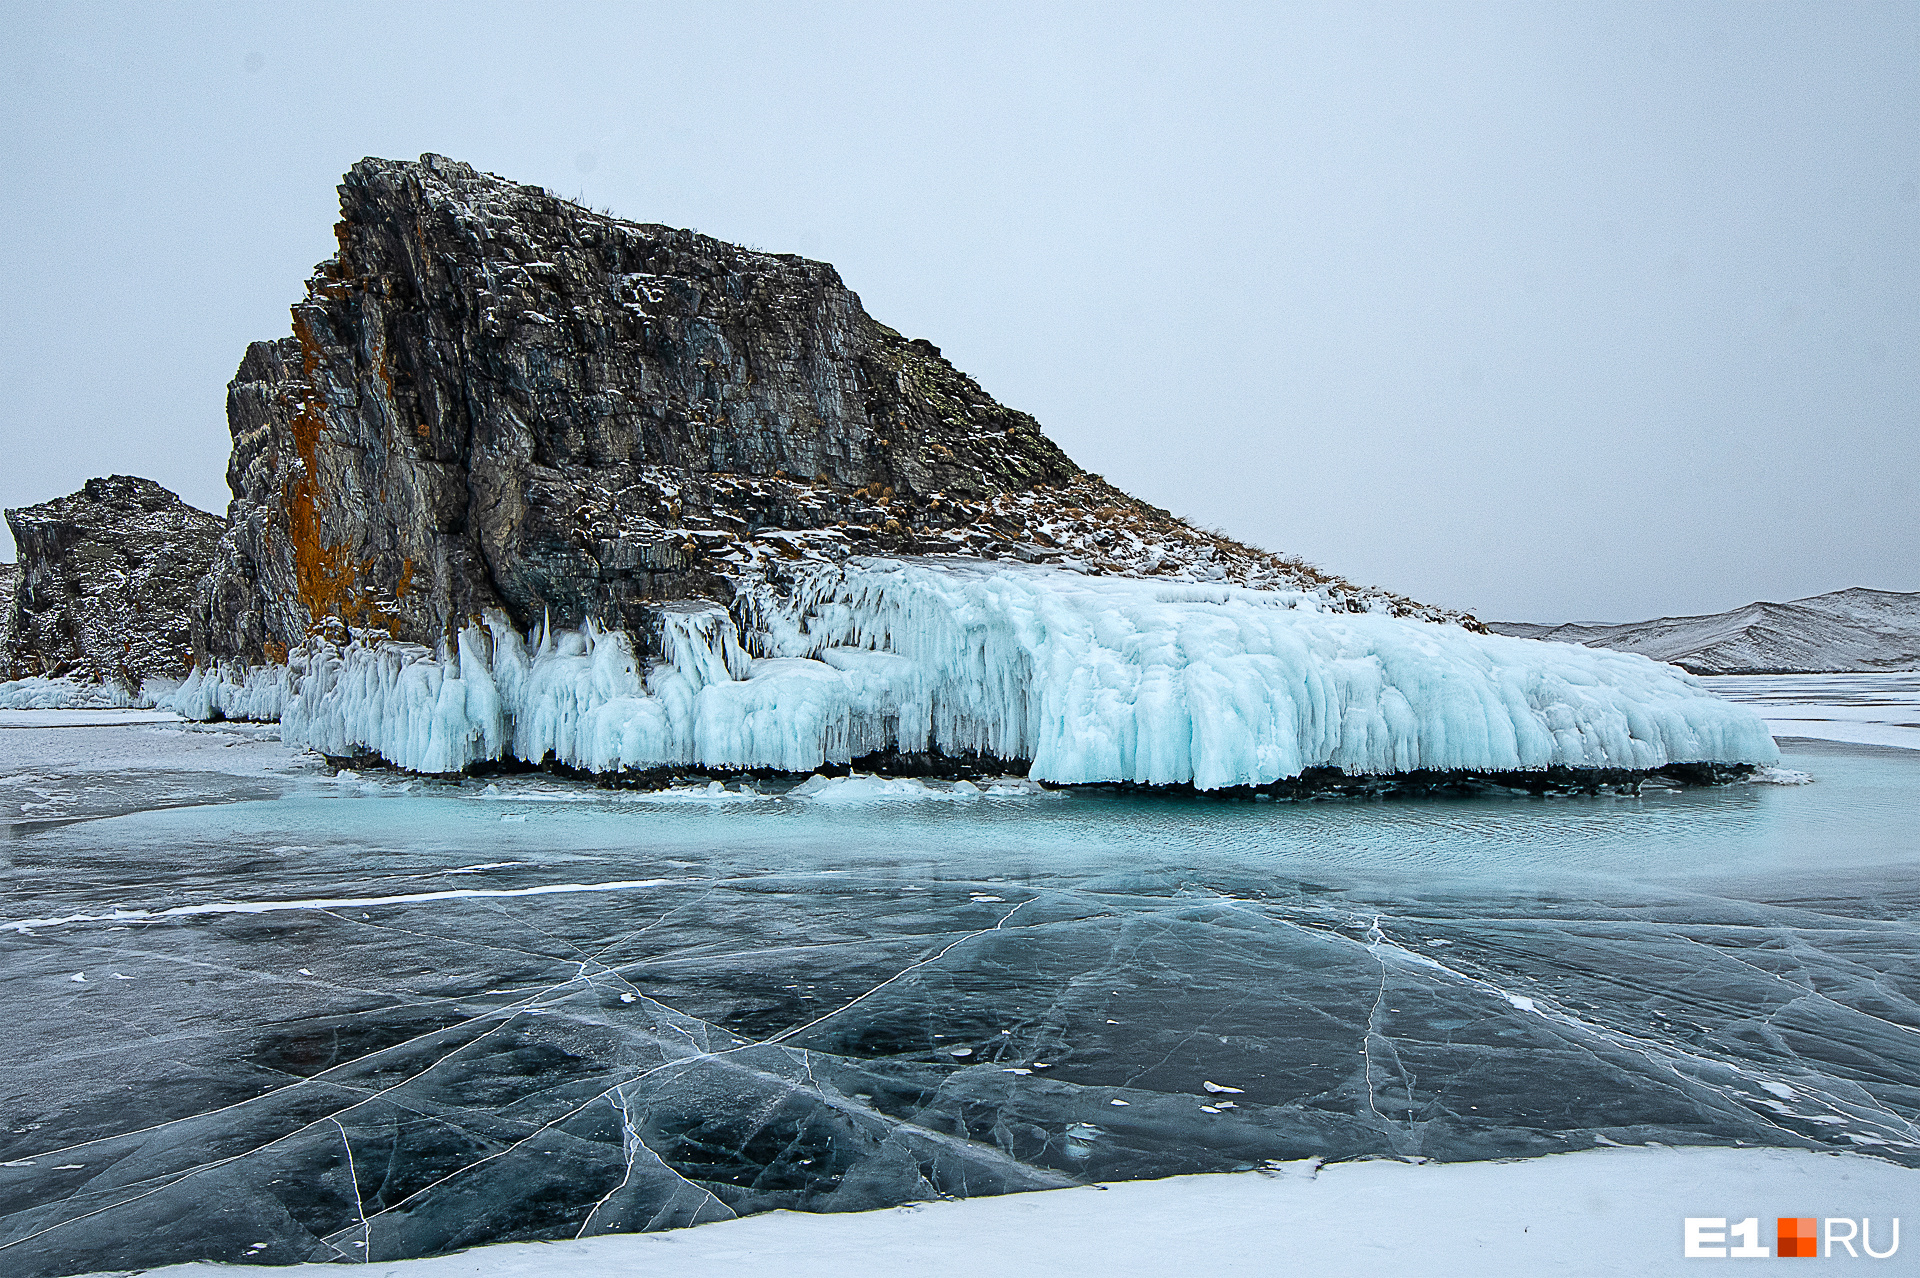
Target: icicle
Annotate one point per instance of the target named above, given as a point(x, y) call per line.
point(1090, 678)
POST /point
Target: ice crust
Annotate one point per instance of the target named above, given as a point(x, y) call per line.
point(1426, 1219)
point(37, 693)
point(1092, 679)
point(622, 1013)
point(1867, 709)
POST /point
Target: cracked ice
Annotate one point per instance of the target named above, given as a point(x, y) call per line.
point(369, 1020)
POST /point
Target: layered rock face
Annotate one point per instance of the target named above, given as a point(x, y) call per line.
point(105, 586)
point(494, 398)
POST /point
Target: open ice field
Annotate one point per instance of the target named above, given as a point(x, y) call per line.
point(1871, 709)
point(261, 1013)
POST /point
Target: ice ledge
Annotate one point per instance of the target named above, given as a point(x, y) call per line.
point(1093, 679)
point(40, 693)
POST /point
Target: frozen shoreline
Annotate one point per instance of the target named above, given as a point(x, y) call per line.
point(1612, 1211)
point(1088, 679)
point(1859, 709)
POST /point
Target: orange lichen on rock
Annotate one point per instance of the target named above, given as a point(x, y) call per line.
point(324, 575)
point(327, 577)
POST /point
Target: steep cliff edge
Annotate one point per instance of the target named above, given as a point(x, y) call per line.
point(494, 398)
point(105, 585)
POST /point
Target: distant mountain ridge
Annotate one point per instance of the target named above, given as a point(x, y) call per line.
point(1855, 630)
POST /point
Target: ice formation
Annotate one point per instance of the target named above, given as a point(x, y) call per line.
point(1089, 678)
point(40, 693)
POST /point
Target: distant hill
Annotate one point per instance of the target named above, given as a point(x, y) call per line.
point(1847, 630)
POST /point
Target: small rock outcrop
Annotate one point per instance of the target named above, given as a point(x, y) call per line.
point(9, 578)
point(105, 585)
point(495, 398)
point(1856, 630)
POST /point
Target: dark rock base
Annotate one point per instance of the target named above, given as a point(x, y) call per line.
point(1314, 783)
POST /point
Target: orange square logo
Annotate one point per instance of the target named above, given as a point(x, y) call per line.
point(1796, 1236)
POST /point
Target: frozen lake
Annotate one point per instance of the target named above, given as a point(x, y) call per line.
point(1872, 709)
point(262, 1013)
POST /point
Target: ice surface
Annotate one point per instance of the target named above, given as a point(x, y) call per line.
point(1869, 709)
point(1089, 678)
point(321, 1011)
point(62, 766)
point(1598, 1212)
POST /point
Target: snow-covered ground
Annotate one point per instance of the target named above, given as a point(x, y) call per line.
point(60, 766)
point(69, 694)
point(81, 717)
point(1867, 709)
point(115, 742)
point(1600, 1212)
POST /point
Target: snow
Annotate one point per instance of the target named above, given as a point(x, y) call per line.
point(1832, 723)
point(1846, 630)
point(102, 718)
point(117, 744)
point(1090, 678)
point(1863, 709)
point(712, 792)
point(69, 694)
point(1603, 1211)
point(872, 789)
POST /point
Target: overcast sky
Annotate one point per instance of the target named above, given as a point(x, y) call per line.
point(1549, 311)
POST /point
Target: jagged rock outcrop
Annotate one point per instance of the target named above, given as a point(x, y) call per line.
point(529, 485)
point(1845, 630)
point(494, 398)
point(105, 585)
point(9, 579)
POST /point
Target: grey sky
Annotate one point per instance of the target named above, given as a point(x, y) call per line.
point(1549, 311)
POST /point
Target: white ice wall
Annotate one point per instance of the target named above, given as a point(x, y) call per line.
point(1092, 678)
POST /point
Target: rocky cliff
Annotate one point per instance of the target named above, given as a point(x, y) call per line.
point(9, 579)
point(1846, 630)
point(105, 584)
point(494, 398)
